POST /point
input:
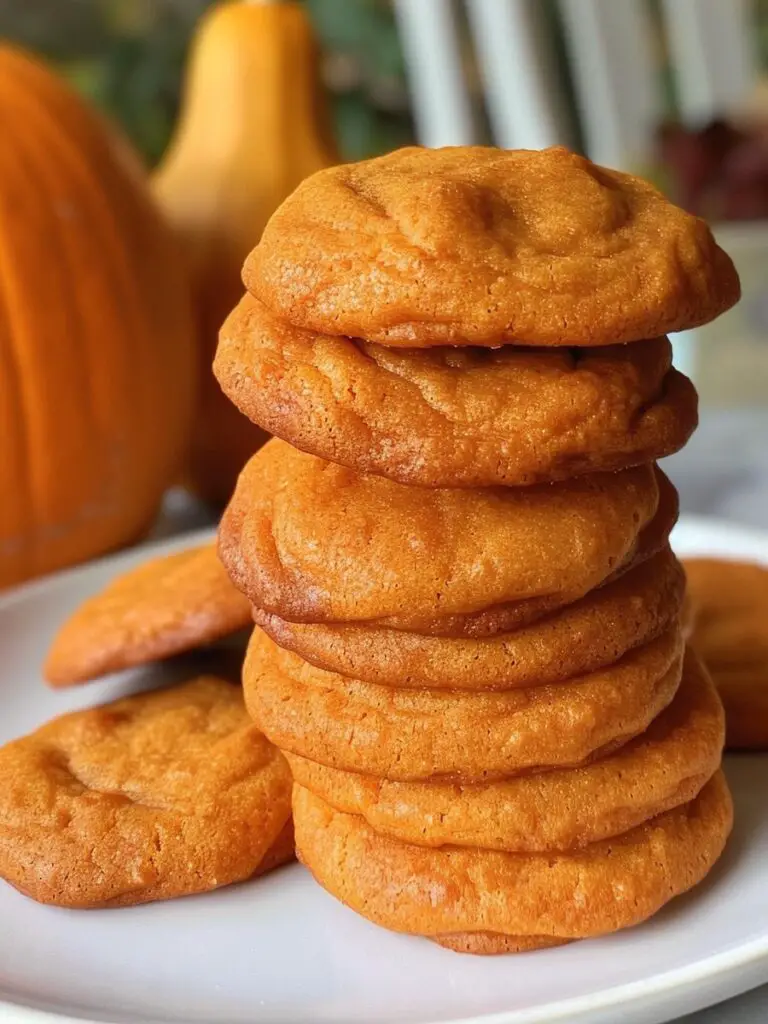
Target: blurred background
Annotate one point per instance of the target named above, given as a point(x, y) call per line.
point(128, 57)
point(228, 105)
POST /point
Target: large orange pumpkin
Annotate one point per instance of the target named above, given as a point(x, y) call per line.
point(252, 126)
point(97, 354)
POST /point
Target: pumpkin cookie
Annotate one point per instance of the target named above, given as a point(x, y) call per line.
point(168, 605)
point(730, 605)
point(490, 944)
point(151, 797)
point(280, 852)
point(455, 734)
point(607, 886)
point(579, 638)
point(561, 809)
point(452, 417)
point(482, 246)
point(412, 554)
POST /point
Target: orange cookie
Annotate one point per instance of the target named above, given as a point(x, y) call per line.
point(607, 886)
point(311, 541)
point(280, 852)
point(579, 638)
point(481, 246)
point(467, 736)
point(451, 417)
point(490, 944)
point(561, 809)
point(150, 797)
point(730, 605)
point(514, 615)
point(168, 605)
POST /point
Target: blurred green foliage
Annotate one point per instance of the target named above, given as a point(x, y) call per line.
point(365, 73)
point(128, 57)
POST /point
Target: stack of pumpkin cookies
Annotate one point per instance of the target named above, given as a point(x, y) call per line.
point(470, 644)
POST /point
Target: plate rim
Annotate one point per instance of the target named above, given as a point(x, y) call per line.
point(725, 963)
point(559, 1012)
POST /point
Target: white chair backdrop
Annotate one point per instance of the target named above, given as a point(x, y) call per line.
point(613, 67)
point(610, 50)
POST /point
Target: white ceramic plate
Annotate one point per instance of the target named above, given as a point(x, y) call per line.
point(280, 950)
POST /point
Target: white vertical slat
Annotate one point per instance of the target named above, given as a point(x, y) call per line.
point(686, 352)
point(516, 62)
point(713, 59)
point(441, 104)
point(617, 88)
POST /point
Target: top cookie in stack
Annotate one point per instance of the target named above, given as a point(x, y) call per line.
point(497, 739)
point(480, 246)
point(483, 248)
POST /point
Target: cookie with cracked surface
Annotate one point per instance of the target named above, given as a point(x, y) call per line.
point(456, 735)
point(150, 797)
point(610, 885)
point(730, 632)
point(314, 542)
point(481, 246)
point(168, 605)
point(561, 809)
point(451, 417)
point(582, 637)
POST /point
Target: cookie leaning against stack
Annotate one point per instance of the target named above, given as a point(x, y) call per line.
point(471, 647)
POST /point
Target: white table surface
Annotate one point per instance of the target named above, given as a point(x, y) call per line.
point(723, 472)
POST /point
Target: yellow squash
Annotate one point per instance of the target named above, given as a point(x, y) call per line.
point(252, 126)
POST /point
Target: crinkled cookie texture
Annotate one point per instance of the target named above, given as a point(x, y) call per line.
point(602, 888)
point(481, 246)
point(579, 638)
point(314, 542)
point(562, 809)
point(168, 605)
point(452, 417)
point(151, 797)
point(730, 608)
point(456, 735)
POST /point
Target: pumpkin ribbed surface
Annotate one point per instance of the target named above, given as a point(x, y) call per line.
point(97, 366)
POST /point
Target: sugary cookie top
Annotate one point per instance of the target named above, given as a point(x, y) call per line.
point(455, 417)
point(561, 809)
point(314, 542)
point(153, 796)
point(475, 245)
point(165, 606)
point(459, 735)
point(579, 638)
point(609, 885)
